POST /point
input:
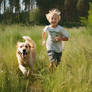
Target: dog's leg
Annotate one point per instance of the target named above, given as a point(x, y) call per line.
point(33, 54)
point(23, 69)
point(31, 68)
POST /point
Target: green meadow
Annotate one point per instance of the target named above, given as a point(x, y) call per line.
point(74, 74)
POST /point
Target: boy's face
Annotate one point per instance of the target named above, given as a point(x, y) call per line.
point(54, 19)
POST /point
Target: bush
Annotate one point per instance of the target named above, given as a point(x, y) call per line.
point(90, 15)
point(37, 18)
point(87, 21)
point(83, 21)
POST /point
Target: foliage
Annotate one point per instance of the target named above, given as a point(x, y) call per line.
point(90, 15)
point(88, 21)
point(13, 12)
point(82, 7)
point(35, 16)
point(83, 21)
point(71, 10)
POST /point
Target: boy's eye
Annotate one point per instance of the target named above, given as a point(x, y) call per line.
point(53, 18)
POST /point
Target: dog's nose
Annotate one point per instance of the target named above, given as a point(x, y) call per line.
point(24, 51)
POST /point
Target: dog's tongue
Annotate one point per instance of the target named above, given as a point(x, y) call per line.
point(23, 55)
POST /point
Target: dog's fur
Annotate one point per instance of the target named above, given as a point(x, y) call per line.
point(26, 54)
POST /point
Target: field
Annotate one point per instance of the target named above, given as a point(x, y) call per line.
point(74, 74)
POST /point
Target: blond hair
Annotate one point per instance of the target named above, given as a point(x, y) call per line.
point(52, 12)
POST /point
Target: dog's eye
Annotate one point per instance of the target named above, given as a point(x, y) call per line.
point(26, 46)
point(20, 46)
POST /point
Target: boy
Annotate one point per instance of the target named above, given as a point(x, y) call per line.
point(56, 34)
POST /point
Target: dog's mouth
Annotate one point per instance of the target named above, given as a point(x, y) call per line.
point(23, 54)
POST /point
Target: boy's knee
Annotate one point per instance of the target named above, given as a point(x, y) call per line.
point(51, 64)
point(54, 63)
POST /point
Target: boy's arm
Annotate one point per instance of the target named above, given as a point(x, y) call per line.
point(64, 35)
point(43, 36)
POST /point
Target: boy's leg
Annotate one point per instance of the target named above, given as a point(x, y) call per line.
point(52, 58)
point(59, 55)
point(54, 63)
point(52, 66)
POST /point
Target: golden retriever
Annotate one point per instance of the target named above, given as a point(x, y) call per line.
point(26, 55)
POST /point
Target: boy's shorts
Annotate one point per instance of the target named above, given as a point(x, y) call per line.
point(54, 56)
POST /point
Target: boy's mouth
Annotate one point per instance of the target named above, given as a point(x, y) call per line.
point(53, 22)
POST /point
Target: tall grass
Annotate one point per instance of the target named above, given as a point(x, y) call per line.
point(74, 74)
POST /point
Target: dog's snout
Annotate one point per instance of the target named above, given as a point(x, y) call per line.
point(24, 50)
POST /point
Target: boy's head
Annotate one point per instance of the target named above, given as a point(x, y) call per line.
point(53, 17)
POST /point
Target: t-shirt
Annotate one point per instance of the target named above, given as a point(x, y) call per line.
point(51, 43)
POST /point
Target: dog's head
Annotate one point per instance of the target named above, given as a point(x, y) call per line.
point(23, 49)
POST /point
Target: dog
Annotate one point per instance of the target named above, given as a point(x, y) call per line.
point(26, 55)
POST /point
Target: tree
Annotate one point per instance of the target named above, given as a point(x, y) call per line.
point(32, 3)
point(0, 5)
point(27, 5)
point(46, 5)
point(83, 7)
point(11, 4)
point(70, 12)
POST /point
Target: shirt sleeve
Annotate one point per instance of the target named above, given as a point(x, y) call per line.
point(45, 29)
point(64, 32)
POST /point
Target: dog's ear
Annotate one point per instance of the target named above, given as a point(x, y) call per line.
point(18, 44)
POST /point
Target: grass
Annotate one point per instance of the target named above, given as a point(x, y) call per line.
point(74, 74)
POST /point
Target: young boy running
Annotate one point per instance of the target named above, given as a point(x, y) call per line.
point(56, 34)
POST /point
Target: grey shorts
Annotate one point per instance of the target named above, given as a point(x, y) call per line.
point(54, 56)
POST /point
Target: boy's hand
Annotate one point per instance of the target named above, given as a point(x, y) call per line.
point(61, 38)
point(43, 43)
point(58, 38)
